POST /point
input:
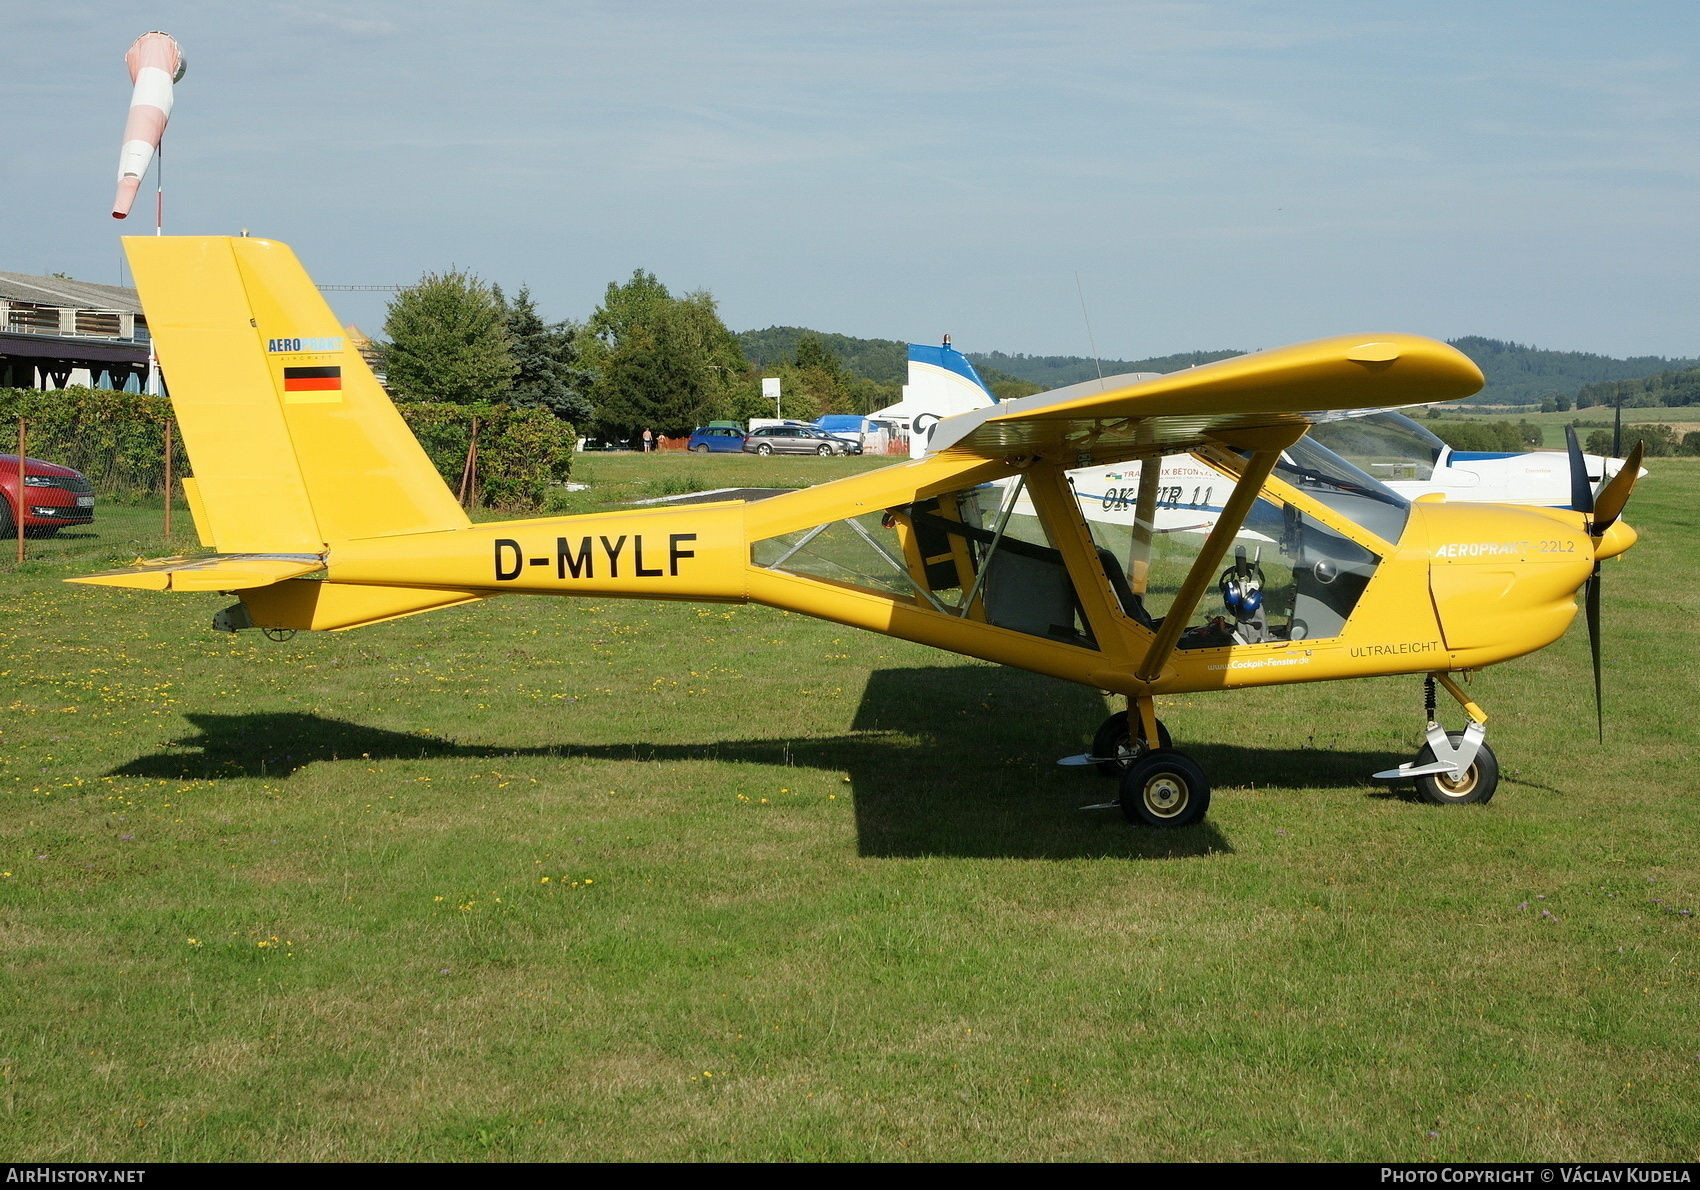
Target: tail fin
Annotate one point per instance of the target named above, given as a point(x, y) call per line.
point(293, 443)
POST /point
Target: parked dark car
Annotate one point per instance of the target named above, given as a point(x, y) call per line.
point(794, 440)
point(54, 497)
point(716, 437)
point(852, 444)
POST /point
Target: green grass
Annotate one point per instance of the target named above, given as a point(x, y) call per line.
point(1679, 418)
point(816, 894)
point(619, 476)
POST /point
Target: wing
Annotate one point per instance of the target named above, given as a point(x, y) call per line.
point(1286, 387)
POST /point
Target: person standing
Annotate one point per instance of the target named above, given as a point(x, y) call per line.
point(648, 440)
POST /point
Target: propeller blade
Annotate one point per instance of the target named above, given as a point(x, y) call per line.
point(1593, 606)
point(1615, 494)
point(1581, 491)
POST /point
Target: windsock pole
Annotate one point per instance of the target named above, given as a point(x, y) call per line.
point(153, 357)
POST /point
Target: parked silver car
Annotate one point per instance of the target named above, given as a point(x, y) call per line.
point(794, 440)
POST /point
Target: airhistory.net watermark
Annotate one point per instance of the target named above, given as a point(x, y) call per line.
point(43, 1175)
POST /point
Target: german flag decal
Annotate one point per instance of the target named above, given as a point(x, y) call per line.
point(312, 380)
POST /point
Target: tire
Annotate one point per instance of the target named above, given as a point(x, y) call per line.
point(1473, 789)
point(1113, 739)
point(824, 452)
point(700, 448)
point(764, 450)
point(1164, 788)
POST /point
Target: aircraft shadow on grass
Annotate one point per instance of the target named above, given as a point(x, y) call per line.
point(946, 760)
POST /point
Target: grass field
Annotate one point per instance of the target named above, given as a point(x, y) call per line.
point(538, 879)
point(1681, 420)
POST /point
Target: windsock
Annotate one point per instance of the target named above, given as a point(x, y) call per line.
point(155, 61)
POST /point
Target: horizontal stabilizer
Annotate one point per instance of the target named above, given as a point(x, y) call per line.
point(217, 572)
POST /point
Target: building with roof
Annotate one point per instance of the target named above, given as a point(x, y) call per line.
point(56, 332)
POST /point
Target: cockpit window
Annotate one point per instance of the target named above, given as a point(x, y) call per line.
point(1287, 576)
point(1387, 445)
point(1331, 481)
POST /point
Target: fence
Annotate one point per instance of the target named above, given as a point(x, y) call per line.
point(117, 439)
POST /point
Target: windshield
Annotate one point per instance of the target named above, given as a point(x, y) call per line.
point(1387, 445)
point(1330, 480)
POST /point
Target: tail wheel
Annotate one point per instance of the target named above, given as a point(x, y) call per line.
point(764, 450)
point(1472, 789)
point(1119, 746)
point(1164, 788)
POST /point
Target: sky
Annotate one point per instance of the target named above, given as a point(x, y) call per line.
point(1231, 174)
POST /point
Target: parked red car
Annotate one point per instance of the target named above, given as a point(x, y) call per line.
point(54, 497)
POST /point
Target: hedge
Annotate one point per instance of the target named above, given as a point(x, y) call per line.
point(520, 451)
point(117, 439)
point(1487, 436)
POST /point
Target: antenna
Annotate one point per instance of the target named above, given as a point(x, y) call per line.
point(1089, 337)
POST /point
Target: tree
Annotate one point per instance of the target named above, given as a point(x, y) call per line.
point(547, 356)
point(448, 341)
point(813, 353)
point(816, 382)
point(661, 362)
point(1599, 443)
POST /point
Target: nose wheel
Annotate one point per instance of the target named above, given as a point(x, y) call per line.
point(1453, 768)
point(1471, 787)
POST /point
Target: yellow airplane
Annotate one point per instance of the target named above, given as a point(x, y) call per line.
point(327, 515)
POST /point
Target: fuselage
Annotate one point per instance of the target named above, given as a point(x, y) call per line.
point(1462, 586)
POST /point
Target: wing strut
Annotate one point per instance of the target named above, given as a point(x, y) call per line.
point(1203, 572)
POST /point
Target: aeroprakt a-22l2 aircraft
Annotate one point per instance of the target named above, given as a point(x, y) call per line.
point(326, 514)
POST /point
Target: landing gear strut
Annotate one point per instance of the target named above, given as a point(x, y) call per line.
point(1454, 768)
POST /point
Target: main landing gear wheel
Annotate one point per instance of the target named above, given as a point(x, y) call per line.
point(1119, 746)
point(764, 450)
point(824, 451)
point(1472, 789)
point(1164, 788)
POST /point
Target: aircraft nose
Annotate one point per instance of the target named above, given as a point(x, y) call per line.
point(1617, 538)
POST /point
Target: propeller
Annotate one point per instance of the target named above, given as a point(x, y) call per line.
point(1603, 512)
